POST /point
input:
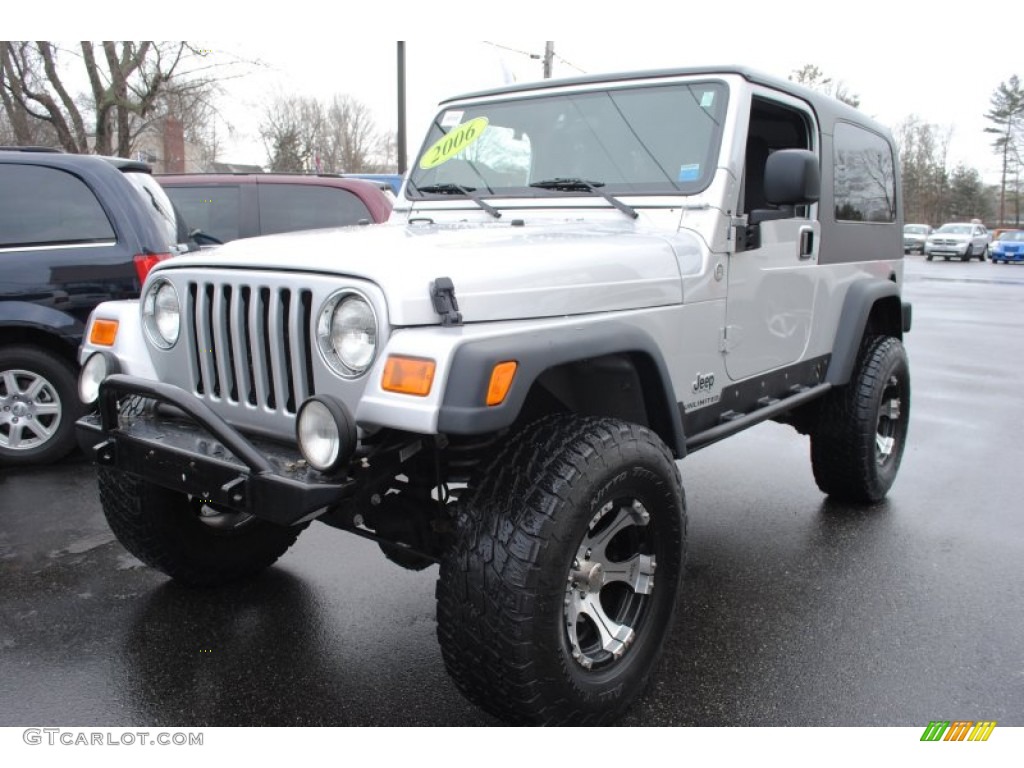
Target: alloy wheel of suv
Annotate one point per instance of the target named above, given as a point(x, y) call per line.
point(38, 406)
point(30, 410)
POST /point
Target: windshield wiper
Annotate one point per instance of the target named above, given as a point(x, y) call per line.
point(458, 189)
point(581, 185)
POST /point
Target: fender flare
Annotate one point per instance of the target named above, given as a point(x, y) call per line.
point(464, 411)
point(26, 314)
point(861, 298)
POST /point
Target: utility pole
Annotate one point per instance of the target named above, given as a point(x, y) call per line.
point(400, 138)
point(549, 54)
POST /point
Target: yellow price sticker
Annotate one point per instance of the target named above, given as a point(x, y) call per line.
point(453, 142)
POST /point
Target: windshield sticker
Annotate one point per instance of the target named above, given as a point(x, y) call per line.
point(707, 99)
point(452, 118)
point(453, 142)
point(689, 172)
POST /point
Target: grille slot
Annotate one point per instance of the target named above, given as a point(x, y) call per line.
point(250, 344)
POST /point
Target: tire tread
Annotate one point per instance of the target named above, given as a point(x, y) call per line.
point(842, 442)
point(489, 588)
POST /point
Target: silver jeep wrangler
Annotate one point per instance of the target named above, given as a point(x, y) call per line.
point(583, 282)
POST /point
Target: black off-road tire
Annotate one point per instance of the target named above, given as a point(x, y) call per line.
point(861, 430)
point(163, 529)
point(60, 391)
point(509, 621)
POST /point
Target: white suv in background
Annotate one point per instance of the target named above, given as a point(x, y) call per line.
point(963, 240)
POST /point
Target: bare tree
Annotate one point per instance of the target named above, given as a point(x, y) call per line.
point(351, 136)
point(292, 130)
point(386, 156)
point(17, 130)
point(302, 135)
point(812, 76)
point(132, 84)
point(923, 149)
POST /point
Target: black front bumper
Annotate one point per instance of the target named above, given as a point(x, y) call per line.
point(190, 449)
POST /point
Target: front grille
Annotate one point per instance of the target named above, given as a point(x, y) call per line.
point(250, 344)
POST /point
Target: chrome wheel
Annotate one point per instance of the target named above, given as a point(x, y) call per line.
point(30, 410)
point(889, 414)
point(610, 583)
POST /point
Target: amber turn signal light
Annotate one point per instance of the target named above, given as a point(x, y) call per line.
point(103, 332)
point(408, 375)
point(501, 382)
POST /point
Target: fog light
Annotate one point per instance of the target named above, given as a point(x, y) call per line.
point(325, 432)
point(96, 369)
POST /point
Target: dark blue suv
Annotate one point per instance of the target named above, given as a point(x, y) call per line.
point(75, 230)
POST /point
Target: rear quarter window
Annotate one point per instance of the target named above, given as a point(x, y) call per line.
point(48, 207)
point(865, 175)
point(214, 209)
point(292, 207)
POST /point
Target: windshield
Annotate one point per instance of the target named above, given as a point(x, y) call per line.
point(172, 229)
point(1012, 237)
point(650, 140)
point(955, 229)
point(915, 229)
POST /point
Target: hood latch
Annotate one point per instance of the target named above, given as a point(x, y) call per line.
point(442, 294)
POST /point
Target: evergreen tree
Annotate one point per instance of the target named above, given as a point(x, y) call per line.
point(1007, 118)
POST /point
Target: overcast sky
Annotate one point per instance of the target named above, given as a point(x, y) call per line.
point(900, 61)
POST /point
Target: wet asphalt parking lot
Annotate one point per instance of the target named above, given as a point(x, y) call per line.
point(794, 611)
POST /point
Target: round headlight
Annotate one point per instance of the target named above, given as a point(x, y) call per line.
point(96, 369)
point(325, 432)
point(161, 314)
point(346, 334)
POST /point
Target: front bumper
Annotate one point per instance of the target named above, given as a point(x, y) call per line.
point(189, 449)
point(1006, 256)
point(947, 250)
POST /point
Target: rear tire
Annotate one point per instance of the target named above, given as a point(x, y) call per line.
point(857, 443)
point(548, 612)
point(194, 543)
point(38, 406)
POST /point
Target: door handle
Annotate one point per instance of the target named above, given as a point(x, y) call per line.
point(806, 242)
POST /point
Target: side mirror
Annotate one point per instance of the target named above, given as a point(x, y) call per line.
point(792, 177)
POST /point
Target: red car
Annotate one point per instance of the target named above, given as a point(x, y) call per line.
point(228, 206)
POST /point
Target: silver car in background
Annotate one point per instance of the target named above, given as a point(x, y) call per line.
point(960, 240)
point(914, 237)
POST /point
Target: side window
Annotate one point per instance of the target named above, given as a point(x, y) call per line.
point(865, 177)
point(46, 206)
point(214, 209)
point(772, 127)
point(291, 207)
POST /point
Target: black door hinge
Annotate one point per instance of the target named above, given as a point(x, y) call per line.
point(442, 294)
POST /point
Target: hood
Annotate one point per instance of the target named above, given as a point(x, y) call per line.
point(500, 271)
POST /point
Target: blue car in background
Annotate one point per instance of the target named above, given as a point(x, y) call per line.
point(393, 180)
point(1009, 247)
